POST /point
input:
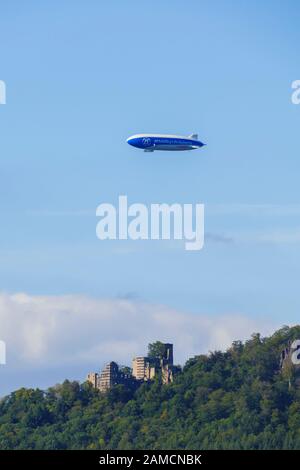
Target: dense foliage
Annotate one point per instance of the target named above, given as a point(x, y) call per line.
point(232, 400)
point(156, 350)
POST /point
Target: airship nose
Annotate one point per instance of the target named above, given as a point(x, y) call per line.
point(131, 141)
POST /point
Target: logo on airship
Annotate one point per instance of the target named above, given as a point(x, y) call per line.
point(146, 140)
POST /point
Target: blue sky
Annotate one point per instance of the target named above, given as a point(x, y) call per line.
point(83, 76)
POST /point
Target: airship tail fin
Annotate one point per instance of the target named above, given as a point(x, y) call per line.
point(193, 136)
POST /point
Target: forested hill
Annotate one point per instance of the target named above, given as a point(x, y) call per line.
point(233, 400)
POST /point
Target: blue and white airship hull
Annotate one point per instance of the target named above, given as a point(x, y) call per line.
point(151, 142)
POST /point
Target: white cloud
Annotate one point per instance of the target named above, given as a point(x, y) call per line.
point(60, 331)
